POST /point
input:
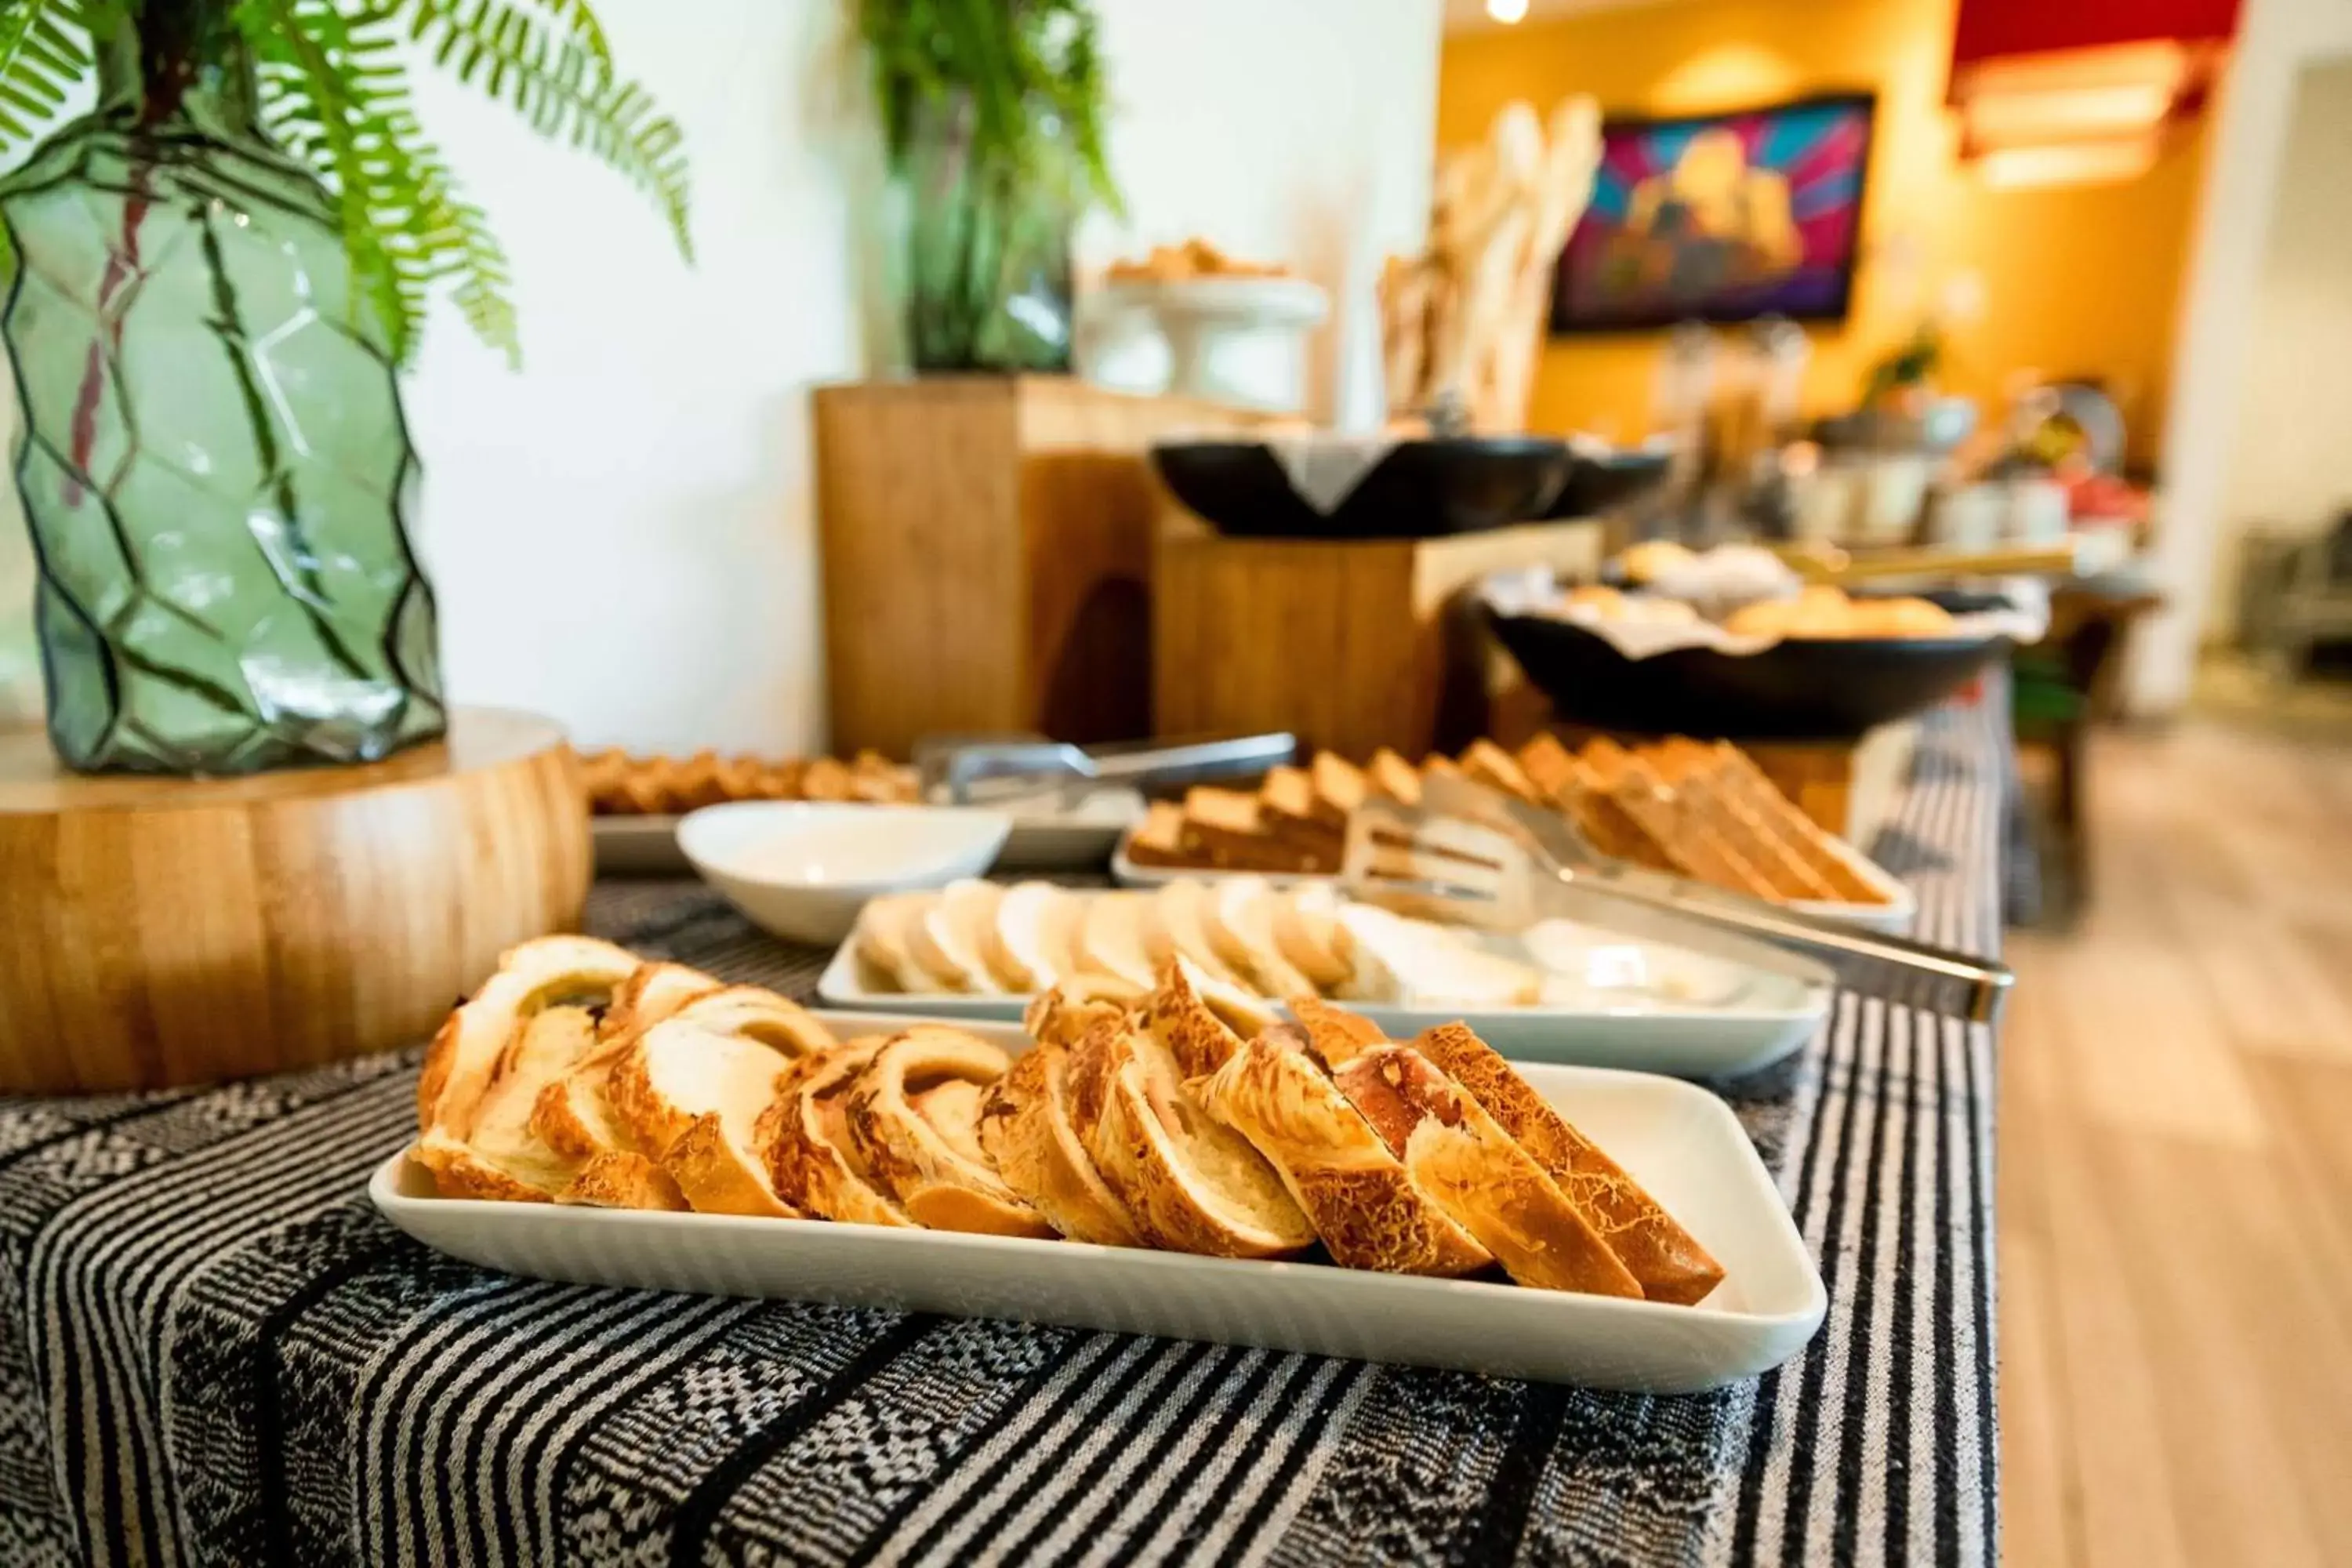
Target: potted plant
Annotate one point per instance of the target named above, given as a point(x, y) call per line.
point(992, 117)
point(213, 278)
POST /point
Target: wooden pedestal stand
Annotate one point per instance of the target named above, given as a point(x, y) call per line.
point(166, 931)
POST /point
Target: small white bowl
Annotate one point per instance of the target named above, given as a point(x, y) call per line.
point(801, 869)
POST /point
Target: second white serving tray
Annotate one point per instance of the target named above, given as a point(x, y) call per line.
point(1894, 916)
point(1771, 1013)
point(1682, 1143)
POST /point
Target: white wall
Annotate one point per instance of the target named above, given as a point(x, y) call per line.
point(2276, 40)
point(1302, 131)
point(2290, 464)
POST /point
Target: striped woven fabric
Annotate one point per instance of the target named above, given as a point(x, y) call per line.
point(212, 1350)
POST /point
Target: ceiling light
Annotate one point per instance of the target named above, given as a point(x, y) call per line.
point(1508, 11)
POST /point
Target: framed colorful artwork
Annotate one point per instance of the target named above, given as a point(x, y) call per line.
point(1720, 217)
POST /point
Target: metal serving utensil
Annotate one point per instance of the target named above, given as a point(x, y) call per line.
point(989, 769)
point(1479, 858)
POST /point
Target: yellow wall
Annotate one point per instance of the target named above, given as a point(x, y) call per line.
point(2078, 281)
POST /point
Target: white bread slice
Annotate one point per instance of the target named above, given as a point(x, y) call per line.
point(946, 937)
point(466, 1052)
point(500, 1157)
point(1027, 947)
point(651, 992)
point(1111, 943)
point(1197, 1184)
point(1306, 929)
point(1200, 1021)
point(913, 1124)
point(1061, 1016)
point(1339, 788)
point(575, 1115)
point(806, 1134)
point(1356, 1193)
point(623, 1181)
point(1177, 926)
point(1473, 1171)
point(679, 1070)
point(883, 926)
point(1025, 1129)
point(1239, 919)
point(1412, 962)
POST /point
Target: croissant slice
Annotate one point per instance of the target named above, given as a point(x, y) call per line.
point(913, 1118)
point(811, 1159)
point(1352, 1187)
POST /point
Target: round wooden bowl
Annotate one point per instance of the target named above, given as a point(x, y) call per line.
point(164, 931)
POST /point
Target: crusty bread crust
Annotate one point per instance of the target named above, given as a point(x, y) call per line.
point(1472, 1171)
point(465, 1050)
point(459, 1173)
point(624, 1181)
point(1184, 1024)
point(1026, 1128)
point(804, 1135)
point(1063, 1016)
point(1356, 1192)
point(1197, 1184)
point(1669, 1263)
point(1334, 1034)
point(651, 992)
point(716, 1177)
point(908, 1155)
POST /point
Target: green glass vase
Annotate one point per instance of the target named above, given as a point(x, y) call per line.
point(212, 457)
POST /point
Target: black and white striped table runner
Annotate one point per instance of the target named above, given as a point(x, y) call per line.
point(212, 1350)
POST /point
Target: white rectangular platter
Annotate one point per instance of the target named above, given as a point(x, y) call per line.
point(1767, 1014)
point(1894, 916)
point(1681, 1142)
point(1040, 841)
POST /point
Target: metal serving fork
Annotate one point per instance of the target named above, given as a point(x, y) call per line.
point(1476, 856)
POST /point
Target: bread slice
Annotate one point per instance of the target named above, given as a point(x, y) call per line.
point(1412, 962)
point(913, 1120)
point(1197, 1184)
point(1061, 1016)
point(1487, 763)
point(756, 1013)
point(1197, 1021)
point(1159, 838)
point(1390, 776)
point(1335, 1036)
point(884, 926)
point(499, 1156)
point(1549, 765)
point(624, 1181)
point(1026, 1130)
point(805, 1134)
point(947, 936)
point(1783, 870)
point(547, 971)
point(1111, 939)
point(1027, 947)
point(1664, 1258)
point(651, 992)
point(1307, 932)
point(1740, 776)
point(1177, 926)
point(1353, 1188)
point(1473, 1170)
point(1239, 918)
point(1341, 788)
point(679, 1071)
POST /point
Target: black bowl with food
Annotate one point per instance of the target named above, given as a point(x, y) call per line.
point(1601, 481)
point(1799, 688)
point(1415, 489)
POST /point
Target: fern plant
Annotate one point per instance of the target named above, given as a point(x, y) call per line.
point(331, 88)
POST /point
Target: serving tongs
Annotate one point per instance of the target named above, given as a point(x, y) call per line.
point(983, 770)
point(1476, 856)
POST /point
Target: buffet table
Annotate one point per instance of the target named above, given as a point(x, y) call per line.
point(212, 1349)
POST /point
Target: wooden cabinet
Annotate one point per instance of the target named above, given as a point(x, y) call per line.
point(986, 546)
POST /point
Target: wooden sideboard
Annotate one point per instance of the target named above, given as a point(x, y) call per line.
point(986, 546)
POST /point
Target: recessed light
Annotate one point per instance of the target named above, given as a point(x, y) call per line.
point(1507, 11)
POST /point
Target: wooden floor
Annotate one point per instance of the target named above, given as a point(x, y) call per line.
point(2176, 1171)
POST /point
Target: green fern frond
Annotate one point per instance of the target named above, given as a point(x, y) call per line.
point(564, 89)
point(39, 60)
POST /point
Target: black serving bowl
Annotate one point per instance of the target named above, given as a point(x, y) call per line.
point(1418, 489)
point(1799, 689)
point(1596, 484)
